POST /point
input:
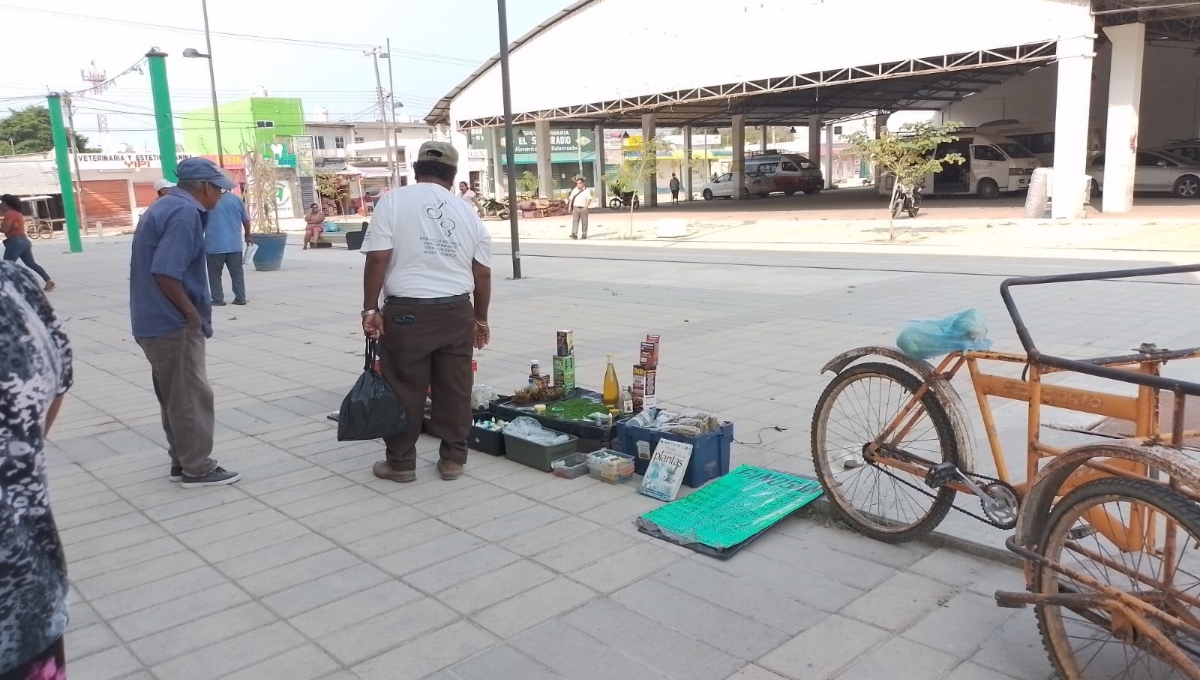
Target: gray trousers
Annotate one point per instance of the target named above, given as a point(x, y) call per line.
point(579, 216)
point(237, 276)
point(177, 366)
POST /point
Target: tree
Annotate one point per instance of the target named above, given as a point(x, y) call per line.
point(907, 154)
point(262, 179)
point(28, 131)
point(330, 185)
point(635, 172)
point(528, 183)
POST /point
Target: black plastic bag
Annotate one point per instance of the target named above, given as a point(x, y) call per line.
point(371, 410)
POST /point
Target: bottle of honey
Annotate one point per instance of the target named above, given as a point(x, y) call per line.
point(612, 389)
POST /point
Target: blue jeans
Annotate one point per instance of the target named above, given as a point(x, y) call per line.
point(237, 276)
point(21, 248)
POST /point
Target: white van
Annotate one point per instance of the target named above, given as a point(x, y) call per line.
point(991, 166)
point(1039, 137)
point(786, 173)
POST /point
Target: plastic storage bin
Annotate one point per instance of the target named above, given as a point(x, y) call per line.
point(591, 436)
point(574, 465)
point(486, 441)
point(710, 452)
point(537, 456)
point(610, 466)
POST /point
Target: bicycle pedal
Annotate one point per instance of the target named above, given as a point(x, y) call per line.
point(941, 474)
point(1079, 533)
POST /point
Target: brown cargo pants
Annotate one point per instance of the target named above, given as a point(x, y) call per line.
point(185, 398)
point(427, 348)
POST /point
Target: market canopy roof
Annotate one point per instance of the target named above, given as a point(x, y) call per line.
point(29, 178)
point(924, 57)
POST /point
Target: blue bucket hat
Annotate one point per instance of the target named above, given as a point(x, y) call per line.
point(203, 170)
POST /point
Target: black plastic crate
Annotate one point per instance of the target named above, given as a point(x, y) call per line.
point(595, 435)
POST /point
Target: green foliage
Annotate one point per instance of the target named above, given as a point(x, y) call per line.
point(908, 153)
point(528, 183)
point(633, 173)
point(29, 131)
point(329, 185)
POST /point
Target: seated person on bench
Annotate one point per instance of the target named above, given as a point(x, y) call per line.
point(314, 225)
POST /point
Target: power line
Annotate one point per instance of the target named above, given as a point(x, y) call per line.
point(321, 44)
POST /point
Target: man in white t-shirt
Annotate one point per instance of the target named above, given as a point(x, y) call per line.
point(580, 200)
point(427, 252)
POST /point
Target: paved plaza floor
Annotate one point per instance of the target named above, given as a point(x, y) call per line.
point(310, 568)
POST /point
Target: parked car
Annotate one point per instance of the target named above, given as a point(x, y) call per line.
point(786, 173)
point(722, 187)
point(1186, 148)
point(1157, 172)
point(991, 166)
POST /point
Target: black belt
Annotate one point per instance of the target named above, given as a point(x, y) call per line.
point(426, 302)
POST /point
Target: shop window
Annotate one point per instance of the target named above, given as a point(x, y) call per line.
point(264, 123)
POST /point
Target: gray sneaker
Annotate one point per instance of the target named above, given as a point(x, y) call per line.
point(176, 473)
point(218, 477)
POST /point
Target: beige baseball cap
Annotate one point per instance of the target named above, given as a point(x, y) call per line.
point(438, 152)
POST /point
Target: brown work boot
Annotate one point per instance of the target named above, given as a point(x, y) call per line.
point(450, 470)
point(384, 471)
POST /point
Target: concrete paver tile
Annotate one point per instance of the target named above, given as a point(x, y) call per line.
point(823, 650)
point(455, 570)
point(671, 653)
point(427, 654)
point(900, 659)
point(723, 629)
point(898, 601)
point(533, 607)
point(301, 571)
point(89, 640)
point(753, 672)
point(315, 505)
point(243, 544)
point(320, 591)
point(503, 663)
point(494, 586)
point(819, 559)
point(549, 536)
point(390, 533)
point(1017, 650)
point(302, 663)
point(521, 521)
point(234, 654)
point(300, 547)
point(353, 609)
point(427, 554)
point(799, 584)
point(176, 641)
point(961, 625)
point(113, 541)
point(167, 615)
point(620, 569)
point(579, 552)
point(173, 587)
point(109, 664)
point(813, 530)
point(124, 558)
point(387, 631)
point(576, 655)
point(483, 512)
point(971, 671)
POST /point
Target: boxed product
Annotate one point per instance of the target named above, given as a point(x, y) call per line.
point(566, 343)
point(564, 371)
point(649, 351)
point(645, 394)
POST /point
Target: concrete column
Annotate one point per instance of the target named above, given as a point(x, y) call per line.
point(1072, 111)
point(814, 140)
point(687, 162)
point(1124, 106)
point(762, 143)
point(738, 164)
point(881, 121)
point(828, 166)
point(545, 169)
point(601, 188)
point(498, 177)
point(651, 189)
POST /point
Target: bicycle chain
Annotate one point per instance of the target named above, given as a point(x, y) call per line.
point(964, 511)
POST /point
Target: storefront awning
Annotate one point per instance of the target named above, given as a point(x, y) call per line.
point(366, 172)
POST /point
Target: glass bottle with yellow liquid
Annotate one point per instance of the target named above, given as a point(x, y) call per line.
point(612, 389)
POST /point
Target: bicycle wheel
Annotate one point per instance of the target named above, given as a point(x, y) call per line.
point(881, 501)
point(1091, 643)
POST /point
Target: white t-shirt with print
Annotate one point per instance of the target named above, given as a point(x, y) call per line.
point(433, 236)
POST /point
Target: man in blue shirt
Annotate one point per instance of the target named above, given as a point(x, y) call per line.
point(227, 234)
point(171, 313)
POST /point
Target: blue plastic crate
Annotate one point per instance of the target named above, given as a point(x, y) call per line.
point(710, 452)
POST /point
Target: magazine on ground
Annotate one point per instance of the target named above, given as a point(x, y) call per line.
point(665, 473)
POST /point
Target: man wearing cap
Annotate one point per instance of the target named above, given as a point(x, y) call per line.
point(225, 236)
point(162, 187)
point(427, 252)
point(171, 313)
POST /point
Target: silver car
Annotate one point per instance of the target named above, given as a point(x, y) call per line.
point(1157, 172)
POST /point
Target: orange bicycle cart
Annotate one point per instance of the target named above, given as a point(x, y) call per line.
point(1109, 532)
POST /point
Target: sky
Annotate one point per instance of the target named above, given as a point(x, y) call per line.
point(313, 50)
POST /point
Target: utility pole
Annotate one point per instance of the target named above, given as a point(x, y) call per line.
point(61, 152)
point(75, 159)
point(212, 81)
point(510, 143)
point(387, 140)
point(392, 108)
point(161, 92)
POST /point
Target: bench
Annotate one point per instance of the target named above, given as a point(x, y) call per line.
point(348, 234)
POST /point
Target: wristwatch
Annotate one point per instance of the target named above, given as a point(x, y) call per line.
point(370, 312)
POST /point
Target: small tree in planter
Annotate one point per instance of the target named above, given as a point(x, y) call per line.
point(261, 184)
point(635, 172)
point(527, 183)
point(907, 155)
point(329, 185)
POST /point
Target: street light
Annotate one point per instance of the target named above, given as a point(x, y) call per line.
point(376, 54)
point(192, 53)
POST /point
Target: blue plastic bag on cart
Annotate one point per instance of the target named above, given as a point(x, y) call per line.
point(929, 338)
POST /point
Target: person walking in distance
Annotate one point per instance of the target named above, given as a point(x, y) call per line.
point(674, 185)
point(427, 252)
point(35, 374)
point(225, 240)
point(17, 245)
point(170, 307)
point(579, 201)
point(469, 196)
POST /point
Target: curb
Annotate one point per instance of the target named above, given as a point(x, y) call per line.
point(821, 508)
